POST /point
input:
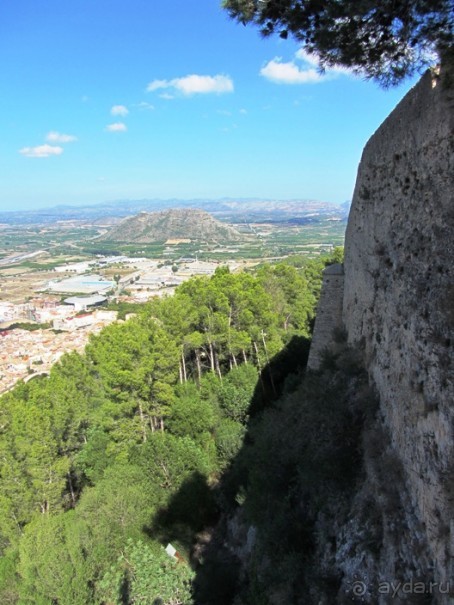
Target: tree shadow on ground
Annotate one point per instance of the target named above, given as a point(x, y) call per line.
point(285, 368)
point(188, 512)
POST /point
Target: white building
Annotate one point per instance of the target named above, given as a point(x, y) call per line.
point(74, 323)
point(82, 303)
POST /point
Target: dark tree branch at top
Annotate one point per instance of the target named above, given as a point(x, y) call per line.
point(387, 40)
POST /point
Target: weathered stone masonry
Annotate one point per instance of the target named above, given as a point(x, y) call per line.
point(398, 305)
point(329, 314)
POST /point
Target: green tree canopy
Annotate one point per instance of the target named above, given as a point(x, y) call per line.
point(52, 565)
point(148, 575)
point(386, 40)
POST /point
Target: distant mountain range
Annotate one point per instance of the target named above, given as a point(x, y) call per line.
point(227, 209)
point(182, 223)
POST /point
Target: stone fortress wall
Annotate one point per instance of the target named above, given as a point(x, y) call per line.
point(329, 314)
point(398, 301)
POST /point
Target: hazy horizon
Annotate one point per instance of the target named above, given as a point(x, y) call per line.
point(170, 199)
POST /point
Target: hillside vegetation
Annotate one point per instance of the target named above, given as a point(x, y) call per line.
point(122, 450)
point(292, 489)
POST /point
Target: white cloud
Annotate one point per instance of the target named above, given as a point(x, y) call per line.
point(116, 127)
point(309, 72)
point(58, 137)
point(194, 84)
point(119, 110)
point(289, 73)
point(243, 112)
point(41, 151)
point(157, 84)
point(145, 105)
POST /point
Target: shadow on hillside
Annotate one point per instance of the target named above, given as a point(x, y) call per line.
point(200, 511)
point(284, 369)
point(190, 510)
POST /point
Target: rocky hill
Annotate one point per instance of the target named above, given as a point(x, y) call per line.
point(183, 223)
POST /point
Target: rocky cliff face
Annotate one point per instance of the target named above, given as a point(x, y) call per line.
point(398, 301)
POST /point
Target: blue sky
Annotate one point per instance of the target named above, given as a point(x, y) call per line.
point(106, 99)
